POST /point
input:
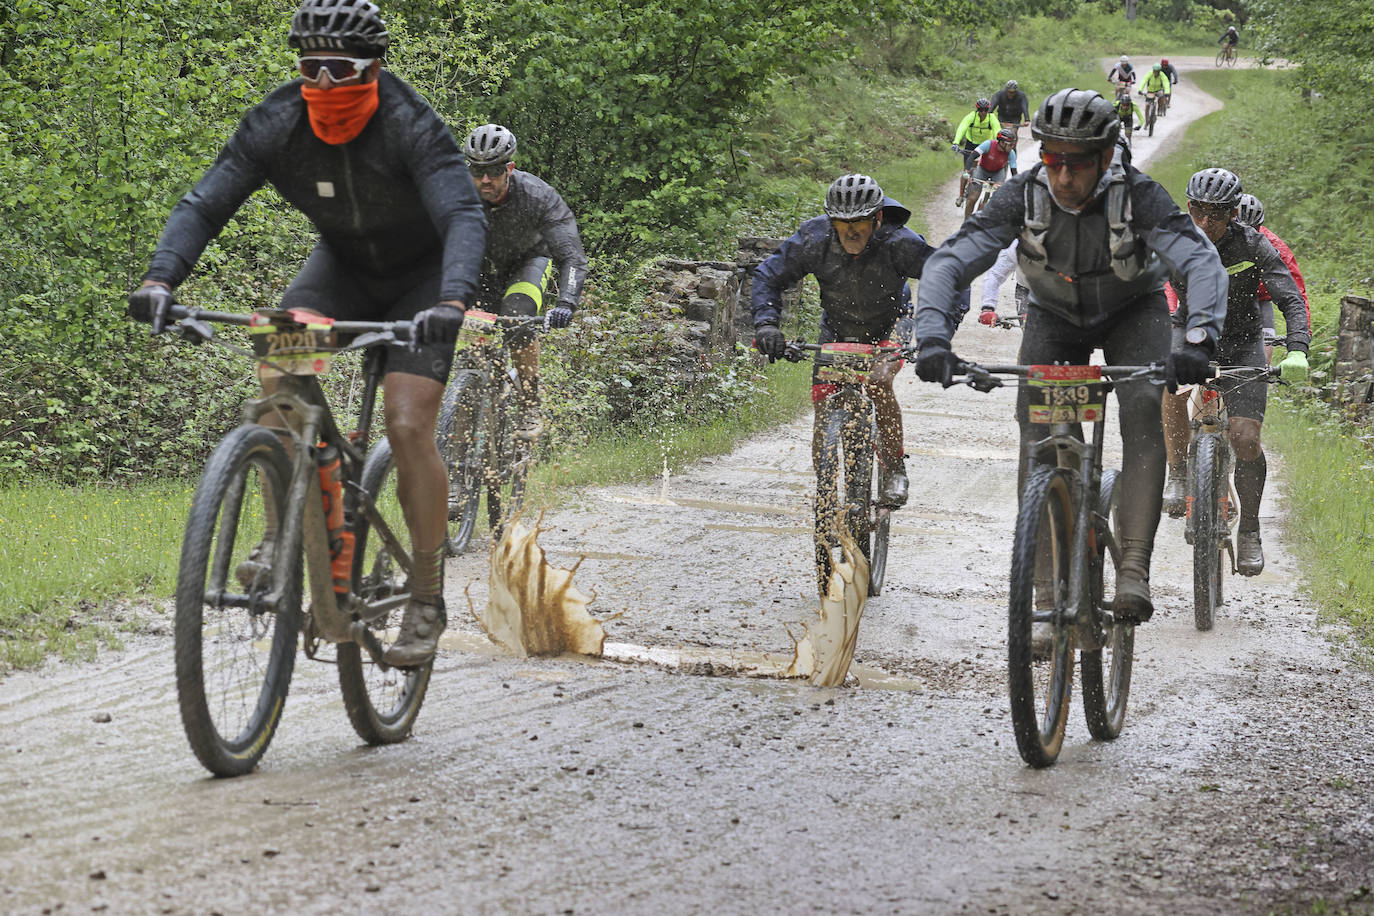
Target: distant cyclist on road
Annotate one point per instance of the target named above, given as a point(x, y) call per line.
point(529, 231)
point(1130, 114)
point(1251, 213)
point(995, 156)
point(1088, 232)
point(1122, 76)
point(978, 125)
point(861, 254)
point(1170, 71)
point(1012, 108)
point(1155, 81)
point(1248, 257)
point(401, 231)
point(1230, 38)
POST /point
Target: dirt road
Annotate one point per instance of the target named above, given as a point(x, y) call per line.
point(1241, 783)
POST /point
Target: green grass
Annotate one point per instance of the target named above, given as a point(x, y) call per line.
point(1328, 483)
point(65, 549)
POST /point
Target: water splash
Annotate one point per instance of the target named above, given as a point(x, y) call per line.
point(825, 651)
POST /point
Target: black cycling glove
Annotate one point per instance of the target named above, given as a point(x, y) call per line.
point(1189, 365)
point(769, 341)
point(150, 304)
point(438, 325)
point(936, 362)
point(560, 317)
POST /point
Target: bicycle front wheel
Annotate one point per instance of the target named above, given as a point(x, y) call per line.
point(507, 466)
point(460, 448)
point(1040, 679)
point(382, 702)
point(878, 519)
point(1107, 671)
point(235, 639)
point(844, 486)
point(1221, 57)
point(1206, 527)
point(1151, 112)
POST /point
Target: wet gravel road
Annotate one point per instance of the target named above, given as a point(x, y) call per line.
point(1241, 783)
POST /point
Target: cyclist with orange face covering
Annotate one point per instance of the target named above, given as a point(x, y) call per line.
point(401, 232)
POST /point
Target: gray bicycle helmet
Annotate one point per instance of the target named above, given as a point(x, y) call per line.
point(853, 197)
point(490, 144)
point(1251, 210)
point(1012, 86)
point(1077, 116)
point(1215, 186)
point(326, 25)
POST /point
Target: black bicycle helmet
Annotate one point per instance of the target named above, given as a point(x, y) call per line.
point(983, 106)
point(352, 25)
point(853, 197)
point(1251, 210)
point(1077, 116)
point(1215, 186)
point(490, 144)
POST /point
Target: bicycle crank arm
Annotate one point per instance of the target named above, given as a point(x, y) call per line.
point(368, 640)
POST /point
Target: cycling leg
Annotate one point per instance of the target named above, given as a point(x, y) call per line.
point(890, 447)
point(526, 296)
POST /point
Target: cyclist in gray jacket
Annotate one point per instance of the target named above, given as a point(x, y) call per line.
point(529, 230)
point(401, 231)
point(1091, 236)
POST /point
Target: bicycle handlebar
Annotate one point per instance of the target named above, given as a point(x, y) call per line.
point(796, 350)
point(193, 320)
point(985, 378)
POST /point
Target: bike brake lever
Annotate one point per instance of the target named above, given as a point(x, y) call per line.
point(195, 330)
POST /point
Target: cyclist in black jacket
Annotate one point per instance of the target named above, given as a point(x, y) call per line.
point(529, 230)
point(1249, 258)
point(1011, 106)
point(401, 232)
point(861, 253)
point(1091, 235)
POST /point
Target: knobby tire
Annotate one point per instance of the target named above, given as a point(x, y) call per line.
point(234, 664)
point(382, 702)
point(1107, 671)
point(1044, 530)
point(461, 450)
point(1206, 532)
point(507, 465)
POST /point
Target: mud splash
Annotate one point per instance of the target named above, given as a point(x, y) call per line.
point(824, 653)
point(533, 608)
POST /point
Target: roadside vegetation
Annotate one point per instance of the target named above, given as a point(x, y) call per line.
point(655, 159)
point(1291, 152)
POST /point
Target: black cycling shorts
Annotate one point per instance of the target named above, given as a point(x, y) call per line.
point(1243, 399)
point(328, 286)
point(524, 290)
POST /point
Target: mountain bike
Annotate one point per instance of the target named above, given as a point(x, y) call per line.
point(1064, 559)
point(979, 190)
point(283, 490)
point(1227, 56)
point(1212, 507)
point(1151, 111)
point(477, 428)
point(847, 482)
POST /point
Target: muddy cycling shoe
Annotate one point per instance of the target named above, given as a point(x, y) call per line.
point(893, 487)
point(257, 569)
point(531, 425)
point(1132, 603)
point(420, 629)
point(1176, 497)
point(1249, 554)
point(959, 201)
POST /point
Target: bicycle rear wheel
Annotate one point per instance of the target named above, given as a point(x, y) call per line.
point(1206, 528)
point(459, 441)
point(1107, 671)
point(382, 702)
point(235, 647)
point(1040, 686)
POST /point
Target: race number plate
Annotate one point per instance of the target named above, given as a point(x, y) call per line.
point(1066, 394)
point(845, 363)
point(479, 329)
point(292, 342)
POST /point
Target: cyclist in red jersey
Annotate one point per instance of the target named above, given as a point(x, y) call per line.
point(1252, 214)
point(994, 157)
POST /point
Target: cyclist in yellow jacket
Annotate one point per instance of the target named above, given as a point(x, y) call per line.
point(1158, 82)
point(978, 125)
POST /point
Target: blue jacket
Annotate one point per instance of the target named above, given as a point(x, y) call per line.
point(861, 295)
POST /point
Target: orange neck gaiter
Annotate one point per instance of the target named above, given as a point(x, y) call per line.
point(339, 114)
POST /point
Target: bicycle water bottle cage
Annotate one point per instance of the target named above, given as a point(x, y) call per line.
point(479, 329)
point(1066, 394)
point(846, 363)
point(291, 342)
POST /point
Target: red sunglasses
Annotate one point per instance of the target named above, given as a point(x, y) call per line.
point(1074, 162)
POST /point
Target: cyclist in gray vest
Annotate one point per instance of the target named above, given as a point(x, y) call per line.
point(401, 228)
point(529, 231)
point(1090, 237)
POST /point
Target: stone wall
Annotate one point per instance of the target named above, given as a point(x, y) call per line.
point(1353, 373)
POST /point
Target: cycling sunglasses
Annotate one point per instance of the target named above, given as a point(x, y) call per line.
point(488, 171)
point(1214, 212)
point(1074, 162)
point(340, 68)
